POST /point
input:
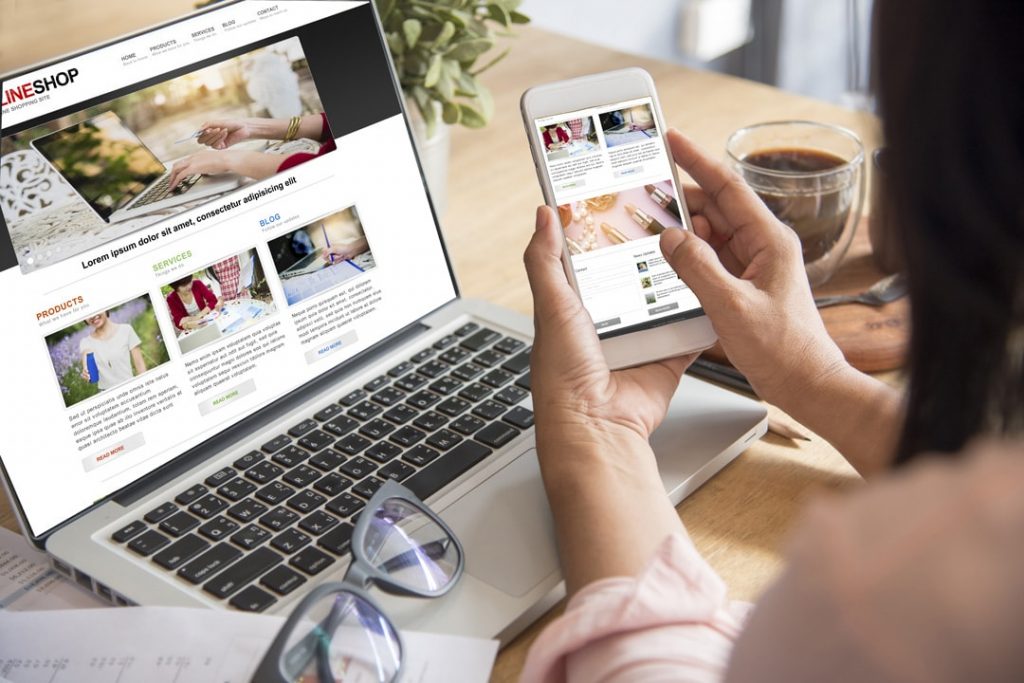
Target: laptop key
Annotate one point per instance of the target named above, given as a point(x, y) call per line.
point(420, 455)
point(236, 489)
point(301, 477)
point(411, 382)
point(396, 470)
point(388, 396)
point(278, 519)
point(209, 563)
point(232, 579)
point(306, 501)
point(497, 378)
point(221, 477)
point(489, 410)
point(430, 421)
point(303, 427)
point(496, 434)
point(376, 383)
point(247, 510)
point(517, 364)
point(423, 399)
point(327, 460)
point(341, 425)
point(325, 414)
point(446, 386)
point(290, 456)
point(180, 552)
point(445, 342)
point(191, 494)
point(467, 371)
point(332, 484)
point(352, 398)
point(275, 492)
point(466, 329)
point(148, 543)
point(480, 339)
point(282, 580)
point(453, 405)
point(407, 436)
point(524, 382)
point(423, 355)
point(311, 560)
point(443, 440)
point(290, 540)
point(384, 451)
point(338, 540)
point(511, 395)
point(433, 369)
point(345, 504)
point(316, 440)
point(400, 369)
point(160, 512)
point(365, 411)
point(489, 358)
point(247, 460)
point(509, 345)
point(129, 531)
point(357, 467)
point(263, 472)
point(367, 487)
point(446, 469)
point(401, 414)
point(179, 524)
point(519, 417)
point(207, 506)
point(252, 599)
point(352, 444)
point(276, 444)
point(376, 429)
point(218, 528)
point(318, 522)
point(467, 424)
point(455, 355)
point(250, 536)
point(475, 392)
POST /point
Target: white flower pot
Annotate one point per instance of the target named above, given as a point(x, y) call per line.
point(434, 153)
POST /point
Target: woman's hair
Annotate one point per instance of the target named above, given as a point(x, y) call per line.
point(950, 81)
point(181, 282)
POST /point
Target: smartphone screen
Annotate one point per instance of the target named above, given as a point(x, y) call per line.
point(611, 174)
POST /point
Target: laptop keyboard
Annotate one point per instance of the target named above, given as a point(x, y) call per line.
point(161, 189)
point(255, 531)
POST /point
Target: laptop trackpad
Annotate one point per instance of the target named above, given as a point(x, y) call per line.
point(506, 528)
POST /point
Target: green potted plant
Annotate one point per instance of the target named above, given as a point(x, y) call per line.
point(436, 45)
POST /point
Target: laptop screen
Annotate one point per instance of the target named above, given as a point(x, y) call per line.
point(129, 342)
point(102, 160)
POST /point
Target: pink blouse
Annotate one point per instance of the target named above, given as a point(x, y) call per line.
point(918, 577)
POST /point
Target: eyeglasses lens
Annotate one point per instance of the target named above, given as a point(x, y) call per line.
point(410, 547)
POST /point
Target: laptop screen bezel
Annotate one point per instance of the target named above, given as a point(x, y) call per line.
point(261, 417)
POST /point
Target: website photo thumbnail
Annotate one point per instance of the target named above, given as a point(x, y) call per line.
point(570, 138)
point(106, 349)
point(108, 170)
point(629, 125)
point(610, 219)
point(322, 255)
point(218, 301)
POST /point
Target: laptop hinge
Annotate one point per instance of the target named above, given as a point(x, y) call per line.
point(262, 418)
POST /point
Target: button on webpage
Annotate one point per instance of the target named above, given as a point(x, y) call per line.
point(113, 452)
point(607, 323)
point(327, 348)
point(661, 309)
point(227, 396)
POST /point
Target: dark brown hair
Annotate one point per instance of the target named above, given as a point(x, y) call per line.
point(181, 282)
point(950, 82)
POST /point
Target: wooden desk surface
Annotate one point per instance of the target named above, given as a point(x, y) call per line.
point(740, 518)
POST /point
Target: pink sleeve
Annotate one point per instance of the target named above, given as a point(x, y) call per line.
point(672, 622)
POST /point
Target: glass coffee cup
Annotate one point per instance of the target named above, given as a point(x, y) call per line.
point(811, 176)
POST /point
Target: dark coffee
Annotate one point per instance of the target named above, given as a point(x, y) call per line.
point(816, 207)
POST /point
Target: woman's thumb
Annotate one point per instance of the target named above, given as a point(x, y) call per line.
point(697, 264)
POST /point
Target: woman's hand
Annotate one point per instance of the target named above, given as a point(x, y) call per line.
point(223, 134)
point(201, 163)
point(336, 253)
point(746, 268)
point(576, 398)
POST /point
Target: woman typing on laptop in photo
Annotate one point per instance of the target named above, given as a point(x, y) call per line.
point(915, 577)
point(220, 135)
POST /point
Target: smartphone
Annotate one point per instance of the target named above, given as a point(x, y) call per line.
point(599, 147)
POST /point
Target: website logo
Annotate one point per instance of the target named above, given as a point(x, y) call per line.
point(26, 92)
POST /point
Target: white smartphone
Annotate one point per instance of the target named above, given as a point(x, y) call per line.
point(600, 152)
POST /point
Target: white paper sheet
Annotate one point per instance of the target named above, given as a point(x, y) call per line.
point(28, 583)
point(173, 644)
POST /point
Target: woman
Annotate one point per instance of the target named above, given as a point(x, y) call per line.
point(115, 350)
point(555, 137)
point(219, 135)
point(189, 302)
point(918, 575)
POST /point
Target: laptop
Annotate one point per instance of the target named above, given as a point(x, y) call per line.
point(122, 179)
point(230, 478)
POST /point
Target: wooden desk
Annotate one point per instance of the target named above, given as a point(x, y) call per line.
point(740, 518)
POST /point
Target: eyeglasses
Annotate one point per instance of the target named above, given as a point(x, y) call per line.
point(337, 632)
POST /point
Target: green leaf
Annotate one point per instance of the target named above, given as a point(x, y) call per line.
point(500, 14)
point(446, 34)
point(469, 50)
point(420, 96)
point(485, 101)
point(494, 61)
point(430, 117)
point(446, 86)
point(471, 117)
point(384, 8)
point(395, 44)
point(451, 113)
point(433, 72)
point(519, 17)
point(467, 85)
point(412, 28)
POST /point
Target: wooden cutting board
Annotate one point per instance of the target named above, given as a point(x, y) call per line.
point(872, 339)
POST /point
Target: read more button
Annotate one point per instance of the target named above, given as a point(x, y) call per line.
point(225, 397)
point(113, 452)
